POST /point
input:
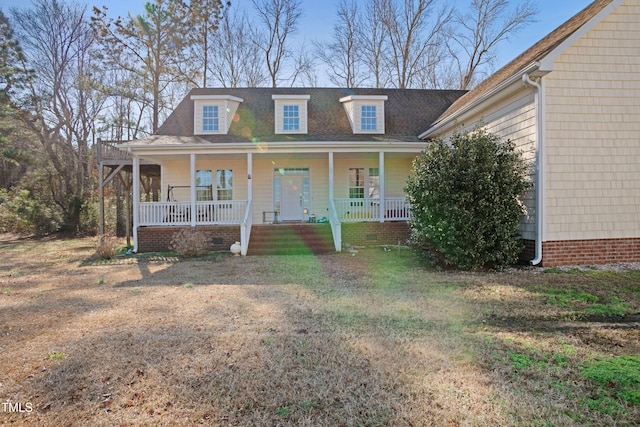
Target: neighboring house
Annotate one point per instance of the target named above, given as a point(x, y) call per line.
point(572, 104)
point(233, 160)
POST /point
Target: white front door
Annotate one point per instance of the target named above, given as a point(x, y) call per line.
point(291, 204)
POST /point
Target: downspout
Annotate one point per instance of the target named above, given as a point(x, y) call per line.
point(539, 182)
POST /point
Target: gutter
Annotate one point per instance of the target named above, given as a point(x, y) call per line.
point(539, 164)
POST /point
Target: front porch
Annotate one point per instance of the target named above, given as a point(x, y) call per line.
point(240, 189)
point(230, 220)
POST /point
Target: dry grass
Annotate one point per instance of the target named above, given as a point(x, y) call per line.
point(342, 340)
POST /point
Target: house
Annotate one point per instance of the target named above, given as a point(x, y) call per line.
point(234, 162)
point(571, 103)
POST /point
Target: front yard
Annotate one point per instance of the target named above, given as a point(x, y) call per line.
point(370, 339)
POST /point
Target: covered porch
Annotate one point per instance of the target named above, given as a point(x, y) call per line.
point(262, 191)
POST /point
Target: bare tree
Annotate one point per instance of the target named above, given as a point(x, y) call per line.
point(304, 68)
point(58, 41)
point(414, 30)
point(344, 55)
point(481, 29)
point(151, 46)
point(279, 20)
point(373, 40)
point(204, 16)
point(238, 63)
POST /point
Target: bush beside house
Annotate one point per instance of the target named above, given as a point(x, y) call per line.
point(465, 197)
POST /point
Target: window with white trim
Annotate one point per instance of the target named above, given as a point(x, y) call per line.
point(210, 118)
point(356, 183)
point(290, 113)
point(368, 118)
point(224, 184)
point(374, 183)
point(291, 118)
point(365, 113)
point(204, 187)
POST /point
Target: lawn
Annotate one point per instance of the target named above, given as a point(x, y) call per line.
point(370, 339)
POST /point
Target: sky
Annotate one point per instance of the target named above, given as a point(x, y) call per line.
point(319, 16)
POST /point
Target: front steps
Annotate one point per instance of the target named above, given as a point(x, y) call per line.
point(291, 239)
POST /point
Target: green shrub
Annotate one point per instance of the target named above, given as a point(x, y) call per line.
point(465, 202)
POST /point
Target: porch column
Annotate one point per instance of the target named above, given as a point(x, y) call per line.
point(381, 184)
point(249, 176)
point(330, 177)
point(192, 177)
point(136, 200)
point(101, 194)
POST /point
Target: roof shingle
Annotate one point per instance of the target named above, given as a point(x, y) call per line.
point(406, 112)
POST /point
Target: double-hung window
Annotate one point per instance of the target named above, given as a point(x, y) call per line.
point(374, 183)
point(210, 118)
point(203, 185)
point(224, 184)
point(291, 118)
point(368, 118)
point(356, 183)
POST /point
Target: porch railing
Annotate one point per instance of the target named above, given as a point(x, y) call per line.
point(361, 210)
point(108, 150)
point(179, 213)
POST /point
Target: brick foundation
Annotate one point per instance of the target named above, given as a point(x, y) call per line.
point(597, 251)
point(375, 233)
point(528, 252)
point(157, 239)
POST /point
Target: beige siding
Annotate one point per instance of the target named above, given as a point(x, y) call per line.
point(593, 133)
point(226, 110)
point(396, 167)
point(353, 109)
point(397, 170)
point(176, 173)
point(263, 172)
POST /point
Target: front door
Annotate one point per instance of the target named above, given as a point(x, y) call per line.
point(291, 204)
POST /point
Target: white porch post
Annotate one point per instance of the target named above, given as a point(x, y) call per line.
point(136, 200)
point(381, 184)
point(330, 176)
point(250, 176)
point(192, 177)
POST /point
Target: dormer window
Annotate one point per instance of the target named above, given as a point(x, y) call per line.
point(210, 118)
point(365, 113)
point(290, 113)
point(368, 118)
point(213, 114)
point(291, 118)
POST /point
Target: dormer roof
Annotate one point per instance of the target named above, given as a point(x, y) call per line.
point(405, 112)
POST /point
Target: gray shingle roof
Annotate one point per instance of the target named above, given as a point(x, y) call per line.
point(406, 113)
